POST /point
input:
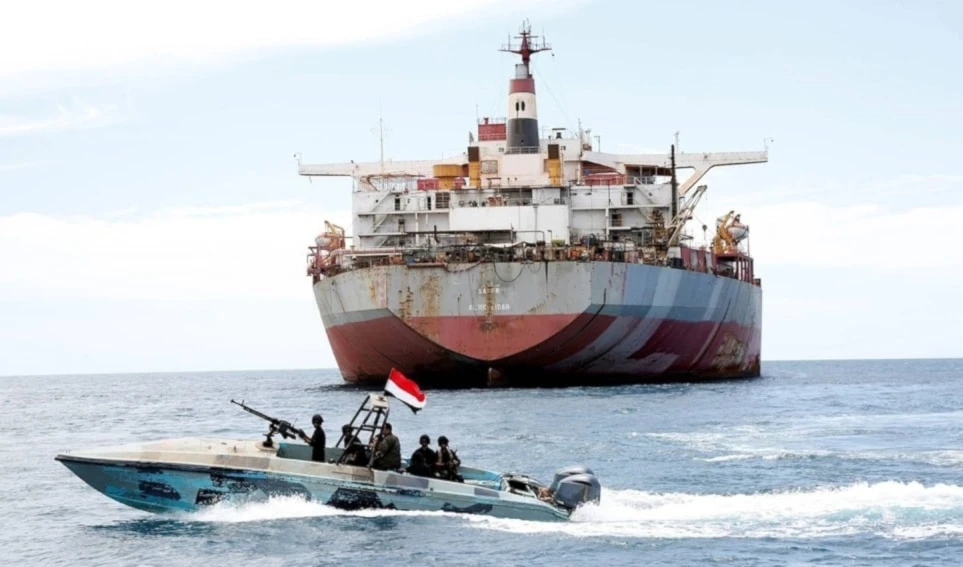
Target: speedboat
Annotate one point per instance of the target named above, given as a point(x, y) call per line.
point(188, 474)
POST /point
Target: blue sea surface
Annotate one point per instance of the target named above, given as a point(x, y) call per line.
point(815, 463)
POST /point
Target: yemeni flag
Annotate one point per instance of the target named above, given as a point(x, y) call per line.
point(405, 390)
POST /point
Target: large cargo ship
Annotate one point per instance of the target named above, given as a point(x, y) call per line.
point(533, 258)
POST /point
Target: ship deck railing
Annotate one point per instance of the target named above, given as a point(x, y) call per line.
point(462, 201)
point(408, 184)
point(465, 253)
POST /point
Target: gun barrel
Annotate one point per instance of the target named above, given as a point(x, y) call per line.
point(285, 428)
point(255, 412)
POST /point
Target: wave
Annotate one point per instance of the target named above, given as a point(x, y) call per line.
point(891, 509)
point(287, 507)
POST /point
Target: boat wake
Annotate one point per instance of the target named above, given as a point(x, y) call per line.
point(288, 507)
point(893, 510)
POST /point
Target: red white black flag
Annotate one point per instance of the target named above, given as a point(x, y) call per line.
point(405, 390)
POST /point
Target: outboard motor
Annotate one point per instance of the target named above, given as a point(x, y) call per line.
point(568, 471)
point(577, 485)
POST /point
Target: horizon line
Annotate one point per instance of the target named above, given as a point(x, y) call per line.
point(335, 369)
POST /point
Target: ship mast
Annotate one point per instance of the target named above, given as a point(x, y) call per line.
point(381, 138)
point(675, 184)
point(522, 126)
point(528, 47)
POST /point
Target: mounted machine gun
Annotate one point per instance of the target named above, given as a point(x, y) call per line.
point(281, 426)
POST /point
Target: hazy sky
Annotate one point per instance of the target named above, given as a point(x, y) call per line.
point(152, 218)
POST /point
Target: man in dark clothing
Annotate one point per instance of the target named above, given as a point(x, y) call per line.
point(422, 462)
point(355, 453)
point(317, 440)
point(387, 451)
point(448, 461)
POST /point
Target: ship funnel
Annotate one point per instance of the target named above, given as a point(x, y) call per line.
point(522, 123)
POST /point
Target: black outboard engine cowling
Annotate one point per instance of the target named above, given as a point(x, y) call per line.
point(573, 486)
point(568, 471)
point(578, 489)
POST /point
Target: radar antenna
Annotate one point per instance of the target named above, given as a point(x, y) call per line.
point(528, 44)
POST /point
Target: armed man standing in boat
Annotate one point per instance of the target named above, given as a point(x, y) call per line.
point(387, 450)
point(317, 440)
point(448, 461)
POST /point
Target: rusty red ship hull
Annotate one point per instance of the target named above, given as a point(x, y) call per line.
point(541, 323)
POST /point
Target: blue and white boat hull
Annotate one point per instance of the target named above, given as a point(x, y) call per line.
point(191, 473)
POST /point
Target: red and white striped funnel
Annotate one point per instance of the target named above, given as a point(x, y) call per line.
point(522, 115)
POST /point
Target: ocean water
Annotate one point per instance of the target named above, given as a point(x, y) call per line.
point(815, 463)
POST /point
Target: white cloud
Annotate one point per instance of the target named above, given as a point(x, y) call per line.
point(897, 186)
point(15, 166)
point(54, 36)
point(859, 281)
point(920, 179)
point(275, 206)
point(916, 184)
point(250, 251)
point(177, 289)
point(77, 115)
point(859, 236)
point(808, 233)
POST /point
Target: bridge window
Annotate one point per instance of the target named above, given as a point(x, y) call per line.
point(443, 200)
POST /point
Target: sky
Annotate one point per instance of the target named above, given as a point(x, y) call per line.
point(152, 218)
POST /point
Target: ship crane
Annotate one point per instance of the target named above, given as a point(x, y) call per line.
point(684, 215)
point(729, 233)
point(332, 238)
point(327, 249)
